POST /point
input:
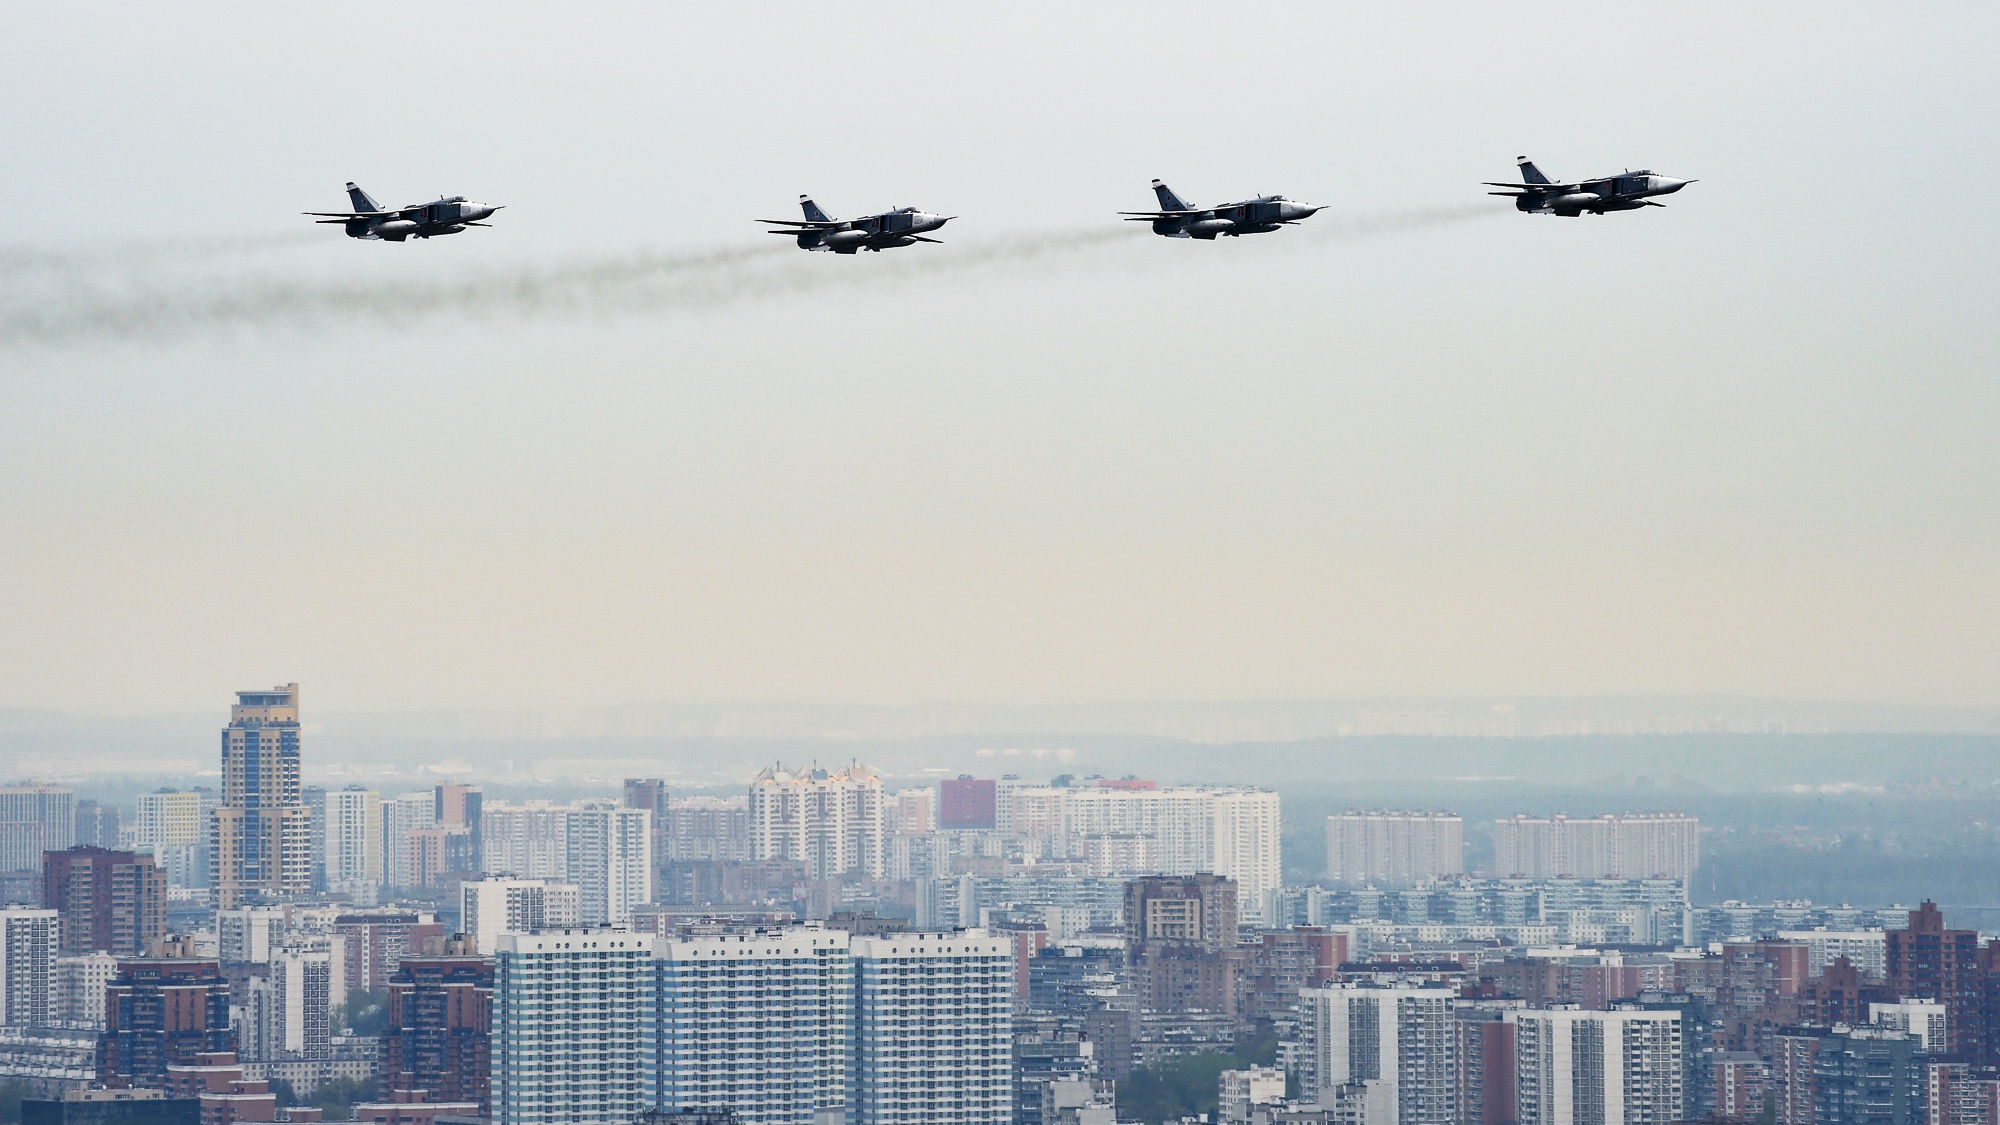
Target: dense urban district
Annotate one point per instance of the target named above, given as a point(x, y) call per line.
point(823, 950)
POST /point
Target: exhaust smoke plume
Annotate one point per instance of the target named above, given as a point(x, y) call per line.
point(122, 295)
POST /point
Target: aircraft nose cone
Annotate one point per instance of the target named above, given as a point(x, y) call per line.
point(1668, 187)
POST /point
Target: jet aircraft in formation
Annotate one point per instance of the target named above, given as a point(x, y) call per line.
point(906, 226)
point(1627, 191)
point(903, 226)
point(371, 220)
point(1177, 218)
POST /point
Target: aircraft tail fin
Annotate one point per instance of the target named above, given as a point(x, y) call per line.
point(1529, 173)
point(1168, 200)
point(813, 213)
point(360, 199)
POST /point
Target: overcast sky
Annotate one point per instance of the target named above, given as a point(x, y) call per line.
point(1742, 444)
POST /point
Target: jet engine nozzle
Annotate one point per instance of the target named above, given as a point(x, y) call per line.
point(395, 229)
point(847, 238)
point(1209, 227)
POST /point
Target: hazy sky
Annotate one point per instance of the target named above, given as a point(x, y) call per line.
point(1742, 444)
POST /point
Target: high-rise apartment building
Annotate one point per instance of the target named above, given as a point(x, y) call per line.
point(650, 793)
point(1921, 1020)
point(611, 860)
point(707, 828)
point(1863, 1076)
point(353, 837)
point(494, 906)
point(161, 1011)
point(527, 841)
point(756, 1023)
point(97, 825)
point(109, 900)
point(173, 826)
point(933, 1029)
point(35, 819)
point(1866, 950)
point(1394, 847)
point(1232, 832)
point(248, 935)
point(1193, 910)
point(439, 1034)
point(966, 803)
point(259, 836)
point(303, 984)
point(77, 989)
point(573, 1027)
point(1391, 1049)
point(1930, 962)
point(914, 811)
point(462, 806)
point(374, 942)
point(29, 941)
point(402, 817)
point(829, 821)
point(1576, 1067)
point(1633, 846)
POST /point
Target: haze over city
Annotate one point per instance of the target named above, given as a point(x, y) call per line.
point(1331, 565)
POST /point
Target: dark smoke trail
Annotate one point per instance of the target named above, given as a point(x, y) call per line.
point(635, 283)
point(18, 261)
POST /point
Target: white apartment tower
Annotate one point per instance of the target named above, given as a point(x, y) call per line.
point(1633, 846)
point(1866, 950)
point(248, 935)
point(829, 821)
point(29, 941)
point(526, 841)
point(573, 1027)
point(353, 836)
point(491, 907)
point(611, 860)
point(301, 1016)
point(933, 1029)
point(78, 989)
point(756, 1023)
point(1575, 1067)
point(1394, 847)
point(1392, 1048)
point(401, 816)
point(1232, 832)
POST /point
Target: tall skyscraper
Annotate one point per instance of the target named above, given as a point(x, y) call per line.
point(28, 946)
point(1394, 847)
point(259, 836)
point(35, 819)
point(933, 1029)
point(353, 837)
point(1633, 846)
point(1391, 1048)
point(249, 935)
point(573, 1027)
point(830, 821)
point(650, 793)
point(756, 1023)
point(109, 900)
point(1577, 1067)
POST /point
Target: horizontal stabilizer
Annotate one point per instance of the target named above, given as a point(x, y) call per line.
point(804, 224)
point(921, 238)
point(347, 214)
point(1533, 187)
point(1160, 214)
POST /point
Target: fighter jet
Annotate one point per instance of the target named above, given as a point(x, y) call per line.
point(1625, 192)
point(820, 231)
point(371, 220)
point(1177, 218)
